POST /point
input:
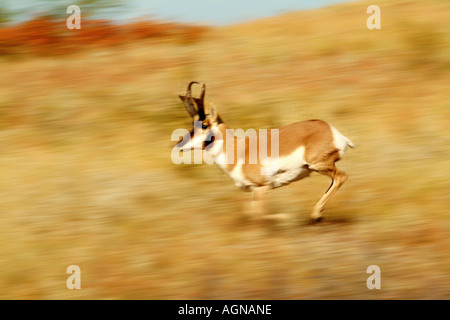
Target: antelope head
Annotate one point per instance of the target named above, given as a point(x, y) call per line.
point(200, 136)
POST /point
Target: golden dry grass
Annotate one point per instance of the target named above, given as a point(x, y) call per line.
point(87, 177)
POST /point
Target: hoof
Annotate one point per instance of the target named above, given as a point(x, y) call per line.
point(316, 220)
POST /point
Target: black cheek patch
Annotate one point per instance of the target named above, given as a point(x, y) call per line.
point(209, 139)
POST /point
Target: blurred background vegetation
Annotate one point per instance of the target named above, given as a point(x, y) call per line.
point(86, 118)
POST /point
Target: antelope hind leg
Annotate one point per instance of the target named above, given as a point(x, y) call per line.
point(338, 179)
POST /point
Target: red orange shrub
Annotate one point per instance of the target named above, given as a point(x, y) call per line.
point(47, 36)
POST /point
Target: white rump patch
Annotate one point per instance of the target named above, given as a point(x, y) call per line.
point(340, 141)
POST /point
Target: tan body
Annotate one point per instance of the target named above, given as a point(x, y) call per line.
point(303, 147)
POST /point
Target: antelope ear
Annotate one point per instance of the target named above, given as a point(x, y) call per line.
point(213, 112)
point(182, 98)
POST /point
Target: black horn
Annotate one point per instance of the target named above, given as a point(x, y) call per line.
point(189, 103)
point(201, 104)
point(194, 106)
point(202, 95)
point(188, 90)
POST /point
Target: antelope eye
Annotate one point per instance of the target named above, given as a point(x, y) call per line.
point(204, 126)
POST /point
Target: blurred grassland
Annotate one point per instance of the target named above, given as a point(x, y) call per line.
point(87, 178)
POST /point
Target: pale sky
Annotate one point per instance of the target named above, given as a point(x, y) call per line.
point(221, 12)
point(211, 12)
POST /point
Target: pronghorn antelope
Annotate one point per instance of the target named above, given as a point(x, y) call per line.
point(303, 147)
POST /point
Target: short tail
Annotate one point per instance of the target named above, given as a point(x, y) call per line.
point(350, 143)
